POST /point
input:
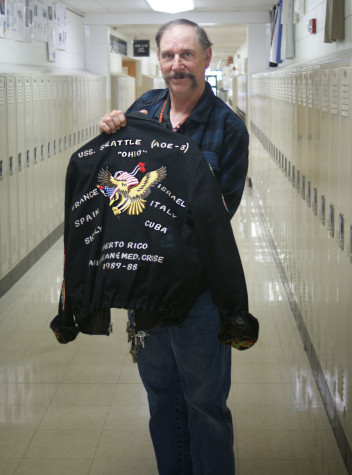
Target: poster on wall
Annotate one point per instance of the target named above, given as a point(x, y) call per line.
point(40, 20)
point(2, 18)
point(60, 26)
point(11, 19)
point(21, 13)
point(51, 33)
point(28, 21)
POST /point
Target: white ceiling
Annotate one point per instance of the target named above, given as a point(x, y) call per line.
point(224, 20)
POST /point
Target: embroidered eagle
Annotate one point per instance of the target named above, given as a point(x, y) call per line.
point(125, 189)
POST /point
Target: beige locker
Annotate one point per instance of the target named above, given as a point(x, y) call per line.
point(48, 165)
point(59, 127)
point(38, 151)
point(69, 120)
point(322, 212)
point(61, 155)
point(324, 142)
point(14, 192)
point(21, 167)
point(29, 147)
point(4, 185)
point(334, 143)
point(343, 222)
point(45, 154)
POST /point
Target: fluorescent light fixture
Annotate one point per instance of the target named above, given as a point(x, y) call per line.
point(174, 6)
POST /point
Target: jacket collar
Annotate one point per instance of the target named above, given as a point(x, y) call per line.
point(202, 109)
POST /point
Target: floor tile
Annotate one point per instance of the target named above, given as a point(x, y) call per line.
point(272, 444)
point(70, 444)
point(58, 466)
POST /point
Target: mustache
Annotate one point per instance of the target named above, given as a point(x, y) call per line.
point(179, 75)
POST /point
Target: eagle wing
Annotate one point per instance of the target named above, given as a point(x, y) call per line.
point(106, 179)
point(142, 190)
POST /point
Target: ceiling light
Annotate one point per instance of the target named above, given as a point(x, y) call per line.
point(167, 6)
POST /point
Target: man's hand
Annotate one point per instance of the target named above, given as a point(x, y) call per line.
point(113, 121)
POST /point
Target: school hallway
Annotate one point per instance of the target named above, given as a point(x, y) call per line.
point(81, 409)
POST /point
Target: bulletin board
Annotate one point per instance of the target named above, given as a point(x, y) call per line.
point(34, 20)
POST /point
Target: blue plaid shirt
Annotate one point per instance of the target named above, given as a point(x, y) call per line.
point(219, 133)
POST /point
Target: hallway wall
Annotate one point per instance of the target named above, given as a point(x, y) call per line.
point(43, 119)
point(301, 157)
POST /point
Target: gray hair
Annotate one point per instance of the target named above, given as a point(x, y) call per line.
point(201, 33)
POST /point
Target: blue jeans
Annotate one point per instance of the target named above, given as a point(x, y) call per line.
point(186, 372)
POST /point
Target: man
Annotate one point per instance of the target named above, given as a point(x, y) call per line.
point(185, 369)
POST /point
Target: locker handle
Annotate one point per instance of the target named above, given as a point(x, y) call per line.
point(28, 159)
point(332, 220)
point(341, 231)
point(11, 165)
point(322, 210)
point(309, 193)
point(19, 161)
point(298, 181)
point(1, 169)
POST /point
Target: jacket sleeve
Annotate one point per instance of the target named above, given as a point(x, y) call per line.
point(63, 325)
point(220, 256)
point(233, 167)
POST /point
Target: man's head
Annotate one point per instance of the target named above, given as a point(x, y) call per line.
point(184, 53)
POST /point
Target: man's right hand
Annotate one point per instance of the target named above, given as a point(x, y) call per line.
point(112, 122)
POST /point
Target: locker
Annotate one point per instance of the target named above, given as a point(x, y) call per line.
point(69, 122)
point(344, 278)
point(335, 137)
point(14, 191)
point(29, 147)
point(345, 154)
point(82, 110)
point(4, 184)
point(324, 150)
point(49, 183)
point(59, 158)
point(45, 154)
point(76, 112)
point(21, 167)
point(38, 150)
point(67, 116)
point(86, 117)
point(307, 165)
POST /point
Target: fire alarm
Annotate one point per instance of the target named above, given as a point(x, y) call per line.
point(312, 26)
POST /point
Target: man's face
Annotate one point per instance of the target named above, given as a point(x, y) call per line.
point(182, 60)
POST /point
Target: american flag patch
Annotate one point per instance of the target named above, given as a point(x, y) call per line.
point(129, 179)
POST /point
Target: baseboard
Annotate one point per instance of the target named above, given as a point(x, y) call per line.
point(31, 258)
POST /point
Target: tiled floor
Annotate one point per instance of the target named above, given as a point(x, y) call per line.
point(81, 409)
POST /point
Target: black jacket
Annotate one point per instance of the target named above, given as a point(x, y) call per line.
point(146, 228)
